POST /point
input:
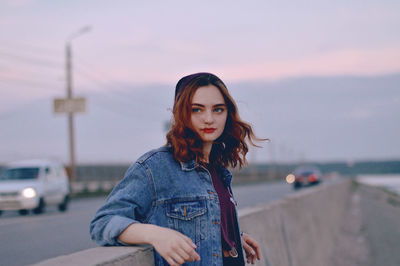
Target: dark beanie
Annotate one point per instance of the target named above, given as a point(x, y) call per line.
point(183, 82)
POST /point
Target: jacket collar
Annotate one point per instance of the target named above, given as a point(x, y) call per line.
point(188, 166)
point(226, 176)
point(225, 173)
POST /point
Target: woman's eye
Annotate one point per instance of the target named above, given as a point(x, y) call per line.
point(218, 110)
point(195, 110)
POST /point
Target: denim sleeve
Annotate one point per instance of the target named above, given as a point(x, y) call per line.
point(129, 202)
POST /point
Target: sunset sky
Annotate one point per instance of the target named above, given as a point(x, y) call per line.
point(136, 44)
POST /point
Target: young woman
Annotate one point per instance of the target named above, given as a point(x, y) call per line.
point(178, 198)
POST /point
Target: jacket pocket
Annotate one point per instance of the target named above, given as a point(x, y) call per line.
point(188, 216)
point(186, 210)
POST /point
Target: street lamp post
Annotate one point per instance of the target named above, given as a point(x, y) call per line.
point(69, 86)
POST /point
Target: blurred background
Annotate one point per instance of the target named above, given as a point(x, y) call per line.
point(320, 79)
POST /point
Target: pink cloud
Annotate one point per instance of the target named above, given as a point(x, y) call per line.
point(346, 62)
point(169, 68)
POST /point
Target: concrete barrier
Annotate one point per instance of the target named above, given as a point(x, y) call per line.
point(301, 228)
point(295, 231)
point(107, 256)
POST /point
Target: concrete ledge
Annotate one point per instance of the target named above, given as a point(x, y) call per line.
point(121, 256)
point(297, 230)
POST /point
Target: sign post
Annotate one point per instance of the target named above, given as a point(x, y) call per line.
point(73, 105)
point(70, 105)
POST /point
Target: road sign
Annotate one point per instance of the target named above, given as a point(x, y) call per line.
point(74, 105)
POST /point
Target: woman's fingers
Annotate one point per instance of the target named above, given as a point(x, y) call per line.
point(178, 255)
point(177, 258)
point(190, 248)
point(175, 247)
point(170, 261)
point(252, 248)
point(190, 251)
point(188, 240)
point(181, 251)
point(254, 244)
point(250, 254)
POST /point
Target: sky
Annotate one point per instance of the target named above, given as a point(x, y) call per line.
point(273, 55)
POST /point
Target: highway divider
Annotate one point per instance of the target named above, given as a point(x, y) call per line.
point(299, 230)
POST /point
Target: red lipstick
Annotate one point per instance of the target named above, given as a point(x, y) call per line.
point(208, 130)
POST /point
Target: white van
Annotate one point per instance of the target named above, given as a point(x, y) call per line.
point(32, 185)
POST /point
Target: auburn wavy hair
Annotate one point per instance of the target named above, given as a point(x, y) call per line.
point(230, 149)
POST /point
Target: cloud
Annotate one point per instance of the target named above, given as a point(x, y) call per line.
point(344, 62)
point(160, 68)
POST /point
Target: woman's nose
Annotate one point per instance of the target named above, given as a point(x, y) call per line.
point(208, 117)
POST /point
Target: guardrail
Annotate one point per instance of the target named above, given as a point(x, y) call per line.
point(297, 230)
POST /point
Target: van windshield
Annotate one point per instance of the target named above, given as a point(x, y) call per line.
point(20, 173)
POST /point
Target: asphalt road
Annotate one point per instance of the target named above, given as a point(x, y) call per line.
point(33, 238)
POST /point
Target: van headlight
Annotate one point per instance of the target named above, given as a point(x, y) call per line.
point(29, 193)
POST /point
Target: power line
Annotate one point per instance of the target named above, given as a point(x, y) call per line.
point(29, 74)
point(43, 55)
point(122, 99)
point(30, 60)
point(100, 84)
point(128, 104)
point(30, 83)
point(26, 47)
point(99, 81)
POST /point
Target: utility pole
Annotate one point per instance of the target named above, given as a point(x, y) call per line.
point(71, 131)
point(71, 105)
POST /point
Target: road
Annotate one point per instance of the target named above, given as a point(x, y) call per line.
point(33, 238)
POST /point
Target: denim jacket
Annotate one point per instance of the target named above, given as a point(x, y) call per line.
point(160, 190)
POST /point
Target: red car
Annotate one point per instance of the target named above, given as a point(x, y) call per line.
point(306, 176)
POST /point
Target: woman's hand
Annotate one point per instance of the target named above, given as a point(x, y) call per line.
point(173, 246)
point(251, 248)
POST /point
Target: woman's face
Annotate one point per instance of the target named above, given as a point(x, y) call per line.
point(209, 113)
